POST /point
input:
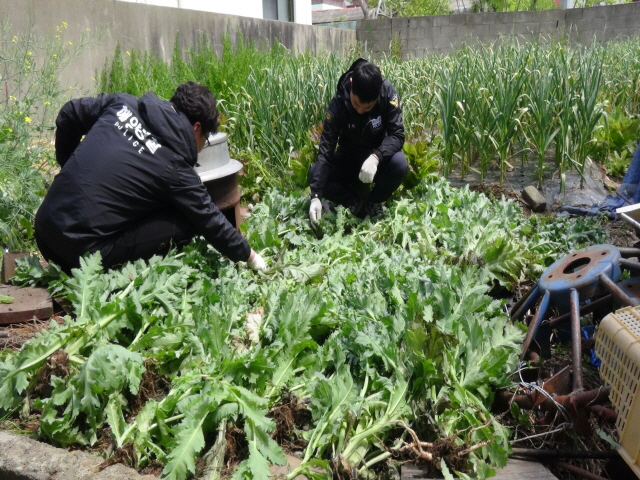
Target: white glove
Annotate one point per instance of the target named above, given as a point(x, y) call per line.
point(257, 263)
point(315, 211)
point(368, 170)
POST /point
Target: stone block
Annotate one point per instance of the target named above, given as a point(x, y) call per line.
point(628, 22)
point(424, 22)
point(459, 19)
point(623, 10)
point(381, 24)
point(9, 264)
point(433, 32)
point(596, 24)
point(450, 31)
point(442, 43)
point(398, 23)
point(505, 17)
point(419, 33)
point(28, 302)
point(473, 18)
point(488, 17)
point(526, 28)
point(425, 43)
point(587, 37)
point(556, 16)
point(362, 36)
point(524, 17)
point(480, 31)
point(595, 12)
point(534, 199)
point(23, 458)
point(382, 40)
point(573, 15)
point(441, 20)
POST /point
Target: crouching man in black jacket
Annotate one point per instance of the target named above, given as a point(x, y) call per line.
point(129, 189)
point(364, 120)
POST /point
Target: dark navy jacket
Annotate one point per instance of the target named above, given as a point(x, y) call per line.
point(378, 131)
point(136, 158)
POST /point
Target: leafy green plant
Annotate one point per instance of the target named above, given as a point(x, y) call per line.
point(29, 70)
point(618, 163)
point(300, 162)
point(618, 135)
point(372, 333)
point(423, 161)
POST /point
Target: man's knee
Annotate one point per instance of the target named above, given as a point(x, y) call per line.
point(399, 164)
point(395, 169)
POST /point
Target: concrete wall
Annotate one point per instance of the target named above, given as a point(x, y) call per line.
point(421, 36)
point(154, 28)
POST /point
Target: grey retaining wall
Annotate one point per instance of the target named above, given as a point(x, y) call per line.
point(420, 36)
point(152, 28)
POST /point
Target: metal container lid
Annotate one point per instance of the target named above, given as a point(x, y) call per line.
point(214, 161)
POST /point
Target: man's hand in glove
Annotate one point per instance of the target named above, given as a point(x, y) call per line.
point(368, 170)
point(315, 212)
point(256, 262)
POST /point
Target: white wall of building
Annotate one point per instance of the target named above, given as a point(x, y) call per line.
point(302, 12)
point(243, 8)
point(324, 6)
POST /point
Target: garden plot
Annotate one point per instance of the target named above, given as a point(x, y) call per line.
point(350, 344)
point(364, 345)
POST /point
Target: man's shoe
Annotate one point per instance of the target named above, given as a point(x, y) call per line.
point(374, 209)
point(355, 207)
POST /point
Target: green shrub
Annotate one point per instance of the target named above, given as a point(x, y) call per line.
point(29, 69)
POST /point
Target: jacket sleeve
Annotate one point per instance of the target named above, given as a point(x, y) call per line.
point(394, 138)
point(75, 119)
point(190, 196)
point(333, 120)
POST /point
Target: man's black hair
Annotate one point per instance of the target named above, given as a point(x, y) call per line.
point(198, 104)
point(366, 81)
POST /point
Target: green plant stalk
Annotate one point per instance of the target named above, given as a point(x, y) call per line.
point(71, 348)
point(363, 437)
point(317, 433)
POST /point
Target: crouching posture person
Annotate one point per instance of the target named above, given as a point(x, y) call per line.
point(364, 121)
point(128, 189)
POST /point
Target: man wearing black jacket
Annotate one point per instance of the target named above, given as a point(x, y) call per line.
point(129, 189)
point(364, 121)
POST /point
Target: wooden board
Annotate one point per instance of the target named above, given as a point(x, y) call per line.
point(515, 469)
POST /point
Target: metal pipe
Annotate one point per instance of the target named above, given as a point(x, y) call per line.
point(629, 265)
point(615, 291)
point(543, 453)
point(576, 351)
point(578, 471)
point(587, 308)
point(606, 415)
point(523, 299)
point(576, 400)
point(535, 323)
point(628, 252)
point(527, 304)
point(580, 399)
